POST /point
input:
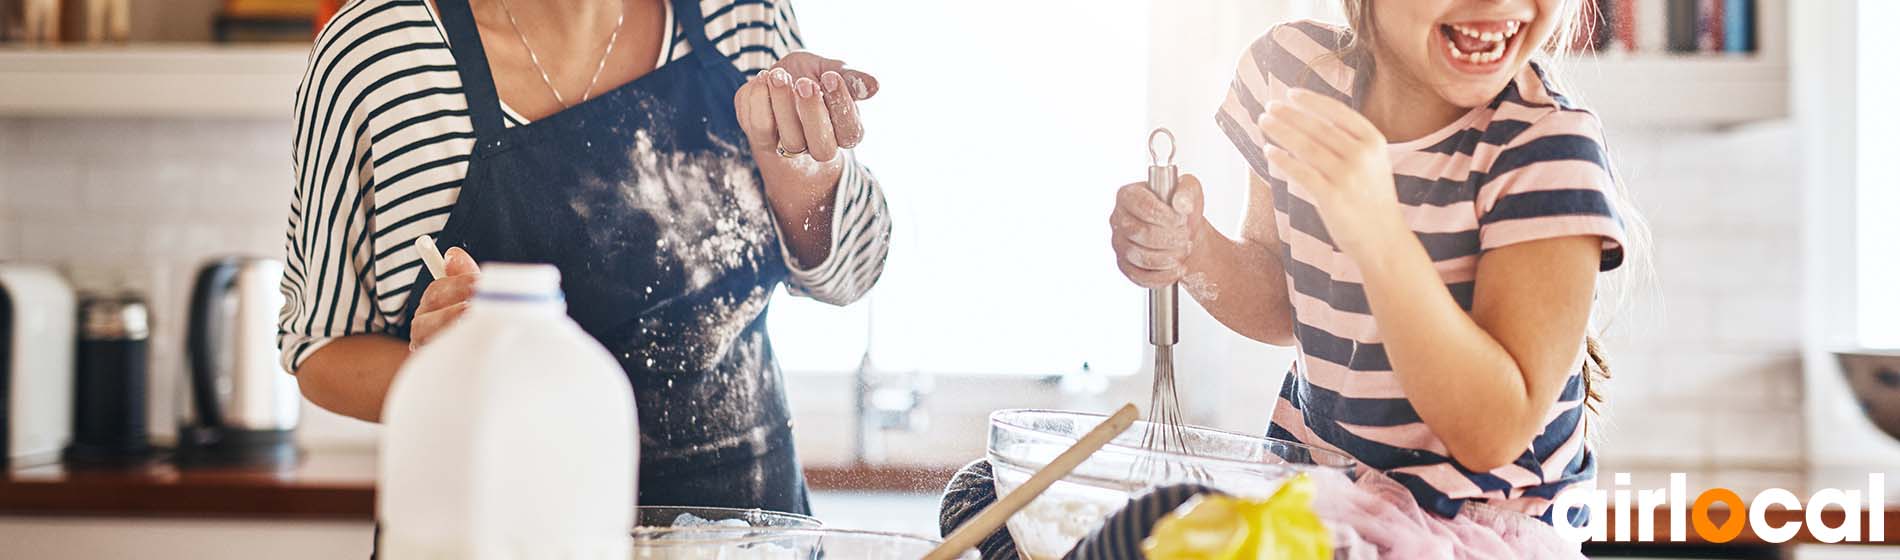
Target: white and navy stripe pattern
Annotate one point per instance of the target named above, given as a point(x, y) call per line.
point(1528, 166)
point(382, 145)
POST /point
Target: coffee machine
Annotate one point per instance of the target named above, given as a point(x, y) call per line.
point(37, 324)
point(111, 373)
point(237, 406)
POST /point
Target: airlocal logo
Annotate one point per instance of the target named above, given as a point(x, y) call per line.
point(1754, 513)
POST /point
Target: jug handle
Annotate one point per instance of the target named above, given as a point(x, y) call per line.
point(205, 298)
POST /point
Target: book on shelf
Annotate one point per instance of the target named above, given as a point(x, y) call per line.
point(258, 21)
point(1674, 26)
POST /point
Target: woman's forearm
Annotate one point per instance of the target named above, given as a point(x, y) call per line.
point(1241, 283)
point(351, 375)
point(801, 193)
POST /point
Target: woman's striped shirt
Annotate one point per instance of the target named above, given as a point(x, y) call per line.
point(1528, 166)
point(383, 141)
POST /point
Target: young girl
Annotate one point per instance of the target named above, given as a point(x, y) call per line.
point(1427, 220)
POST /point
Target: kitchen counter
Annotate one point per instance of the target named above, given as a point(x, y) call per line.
point(326, 485)
point(340, 486)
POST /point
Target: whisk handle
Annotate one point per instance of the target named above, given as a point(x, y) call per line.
point(1164, 317)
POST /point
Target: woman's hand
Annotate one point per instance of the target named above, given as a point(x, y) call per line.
point(805, 104)
point(1153, 239)
point(797, 115)
point(446, 298)
point(1340, 158)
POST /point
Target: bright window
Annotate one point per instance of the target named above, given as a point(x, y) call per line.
point(1000, 135)
point(1878, 198)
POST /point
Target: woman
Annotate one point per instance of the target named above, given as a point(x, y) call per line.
point(620, 140)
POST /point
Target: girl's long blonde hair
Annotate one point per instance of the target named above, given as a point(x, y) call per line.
point(1576, 20)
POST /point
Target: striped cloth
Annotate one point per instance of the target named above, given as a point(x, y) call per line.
point(973, 489)
point(382, 144)
point(970, 491)
point(1528, 166)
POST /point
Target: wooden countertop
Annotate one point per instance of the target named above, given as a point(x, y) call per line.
point(326, 485)
point(341, 485)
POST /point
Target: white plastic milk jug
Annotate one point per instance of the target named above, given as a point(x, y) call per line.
point(511, 435)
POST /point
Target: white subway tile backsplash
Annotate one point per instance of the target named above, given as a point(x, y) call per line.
point(69, 240)
point(95, 139)
point(36, 186)
point(1746, 322)
point(131, 188)
point(243, 139)
point(9, 238)
point(1754, 439)
point(250, 239)
point(11, 140)
point(1651, 432)
point(1672, 208)
point(1767, 204)
point(246, 192)
point(1673, 322)
point(1762, 381)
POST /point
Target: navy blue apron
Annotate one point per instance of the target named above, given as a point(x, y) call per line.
point(648, 201)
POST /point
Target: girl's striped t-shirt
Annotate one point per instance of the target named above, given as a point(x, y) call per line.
point(1528, 166)
point(383, 141)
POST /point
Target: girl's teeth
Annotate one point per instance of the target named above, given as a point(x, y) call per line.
point(1510, 29)
point(1495, 43)
point(1488, 56)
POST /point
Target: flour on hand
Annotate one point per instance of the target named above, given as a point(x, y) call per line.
point(1200, 287)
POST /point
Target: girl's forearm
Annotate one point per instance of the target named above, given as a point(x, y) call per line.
point(1464, 384)
point(1241, 283)
point(351, 375)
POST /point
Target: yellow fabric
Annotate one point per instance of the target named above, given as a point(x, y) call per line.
point(1282, 527)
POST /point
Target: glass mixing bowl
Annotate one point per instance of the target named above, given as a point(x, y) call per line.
point(777, 543)
point(1023, 441)
point(676, 516)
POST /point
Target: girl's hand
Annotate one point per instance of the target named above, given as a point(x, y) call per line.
point(1340, 158)
point(1153, 239)
point(805, 104)
point(446, 298)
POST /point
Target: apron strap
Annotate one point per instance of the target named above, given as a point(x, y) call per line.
point(693, 25)
point(478, 83)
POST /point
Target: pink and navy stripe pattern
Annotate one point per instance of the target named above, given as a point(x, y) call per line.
point(1528, 166)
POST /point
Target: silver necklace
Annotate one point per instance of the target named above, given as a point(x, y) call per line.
point(536, 60)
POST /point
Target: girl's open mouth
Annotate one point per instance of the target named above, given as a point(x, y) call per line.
point(1480, 47)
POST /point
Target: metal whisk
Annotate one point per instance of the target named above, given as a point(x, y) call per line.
point(1166, 430)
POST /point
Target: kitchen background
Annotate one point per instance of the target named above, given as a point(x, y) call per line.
point(129, 166)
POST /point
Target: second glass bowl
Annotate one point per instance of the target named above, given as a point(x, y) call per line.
point(1023, 441)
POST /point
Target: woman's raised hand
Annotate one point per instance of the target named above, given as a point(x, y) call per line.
point(805, 104)
point(1153, 239)
point(446, 298)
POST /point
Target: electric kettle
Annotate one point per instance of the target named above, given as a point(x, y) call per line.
point(37, 315)
point(237, 406)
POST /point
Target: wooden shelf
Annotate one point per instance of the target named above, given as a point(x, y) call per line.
point(1685, 91)
point(151, 80)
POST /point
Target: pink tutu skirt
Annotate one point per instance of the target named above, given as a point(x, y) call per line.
point(1375, 517)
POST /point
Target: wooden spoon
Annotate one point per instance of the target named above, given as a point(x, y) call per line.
point(993, 517)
